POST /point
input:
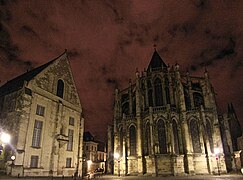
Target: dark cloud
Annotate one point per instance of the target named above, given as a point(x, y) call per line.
point(186, 29)
point(117, 15)
point(210, 56)
point(107, 40)
point(201, 4)
point(28, 31)
point(73, 53)
point(112, 82)
point(5, 15)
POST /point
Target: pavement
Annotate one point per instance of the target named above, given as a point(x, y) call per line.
point(112, 177)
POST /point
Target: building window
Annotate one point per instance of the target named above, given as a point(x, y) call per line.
point(162, 137)
point(125, 108)
point(198, 99)
point(68, 162)
point(132, 135)
point(158, 92)
point(34, 161)
point(147, 139)
point(70, 140)
point(87, 148)
point(92, 148)
point(150, 94)
point(37, 133)
point(60, 88)
point(71, 121)
point(167, 90)
point(194, 130)
point(40, 110)
point(187, 99)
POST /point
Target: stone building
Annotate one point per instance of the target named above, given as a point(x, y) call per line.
point(166, 123)
point(231, 134)
point(42, 112)
point(94, 153)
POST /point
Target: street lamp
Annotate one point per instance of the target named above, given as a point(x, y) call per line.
point(12, 159)
point(117, 157)
point(5, 138)
point(217, 153)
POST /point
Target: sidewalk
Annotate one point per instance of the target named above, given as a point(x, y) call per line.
point(114, 177)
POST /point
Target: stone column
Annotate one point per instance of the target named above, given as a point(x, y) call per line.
point(116, 150)
point(130, 97)
point(172, 101)
point(190, 93)
point(139, 146)
point(188, 158)
point(139, 128)
point(124, 154)
point(206, 140)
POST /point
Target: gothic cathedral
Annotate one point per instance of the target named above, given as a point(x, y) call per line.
point(166, 123)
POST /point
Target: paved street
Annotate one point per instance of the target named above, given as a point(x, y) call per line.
point(106, 177)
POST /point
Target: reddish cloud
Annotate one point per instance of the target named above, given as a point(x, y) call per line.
point(108, 40)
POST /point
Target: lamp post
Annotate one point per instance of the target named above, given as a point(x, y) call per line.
point(117, 157)
point(12, 159)
point(217, 153)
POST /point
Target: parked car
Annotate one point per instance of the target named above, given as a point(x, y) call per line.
point(98, 172)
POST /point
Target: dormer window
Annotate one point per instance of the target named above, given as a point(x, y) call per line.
point(60, 88)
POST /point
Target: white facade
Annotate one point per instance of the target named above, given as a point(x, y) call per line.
point(45, 120)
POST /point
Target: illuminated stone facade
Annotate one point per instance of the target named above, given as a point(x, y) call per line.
point(165, 123)
point(94, 154)
point(42, 111)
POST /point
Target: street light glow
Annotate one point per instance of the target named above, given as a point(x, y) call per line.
point(116, 155)
point(13, 157)
point(216, 151)
point(5, 138)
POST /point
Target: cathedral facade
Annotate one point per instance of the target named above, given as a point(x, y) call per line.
point(166, 123)
point(42, 112)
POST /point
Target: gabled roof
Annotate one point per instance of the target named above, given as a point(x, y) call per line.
point(156, 62)
point(18, 82)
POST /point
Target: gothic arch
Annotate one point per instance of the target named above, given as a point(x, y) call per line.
point(195, 135)
point(147, 141)
point(161, 130)
point(60, 88)
point(132, 140)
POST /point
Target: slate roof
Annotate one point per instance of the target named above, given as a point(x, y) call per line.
point(156, 61)
point(88, 136)
point(18, 82)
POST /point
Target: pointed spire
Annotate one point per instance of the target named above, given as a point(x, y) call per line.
point(137, 73)
point(155, 45)
point(232, 109)
point(229, 109)
point(156, 61)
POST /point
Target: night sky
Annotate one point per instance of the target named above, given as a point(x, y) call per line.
point(107, 40)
